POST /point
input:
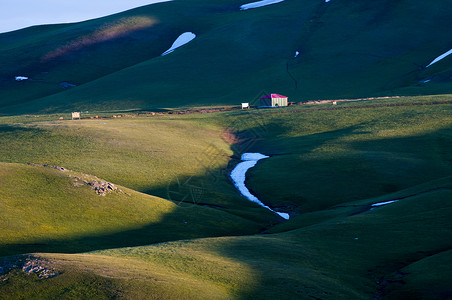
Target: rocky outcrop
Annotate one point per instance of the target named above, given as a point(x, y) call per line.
point(101, 187)
point(28, 264)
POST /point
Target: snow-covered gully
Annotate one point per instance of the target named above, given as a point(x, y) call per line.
point(258, 4)
point(440, 58)
point(249, 160)
point(183, 39)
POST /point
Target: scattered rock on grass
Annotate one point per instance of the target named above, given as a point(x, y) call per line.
point(101, 187)
point(28, 264)
point(49, 166)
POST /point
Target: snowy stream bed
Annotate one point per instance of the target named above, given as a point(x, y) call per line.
point(249, 160)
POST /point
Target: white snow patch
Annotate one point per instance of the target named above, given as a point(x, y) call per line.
point(283, 215)
point(253, 156)
point(20, 78)
point(296, 53)
point(249, 160)
point(259, 4)
point(439, 58)
point(183, 39)
point(384, 203)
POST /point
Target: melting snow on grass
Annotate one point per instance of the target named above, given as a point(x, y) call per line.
point(183, 39)
point(383, 203)
point(249, 160)
point(259, 4)
point(20, 78)
point(439, 58)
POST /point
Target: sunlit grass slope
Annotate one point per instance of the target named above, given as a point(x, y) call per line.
point(346, 50)
point(45, 209)
point(137, 153)
point(398, 250)
point(169, 157)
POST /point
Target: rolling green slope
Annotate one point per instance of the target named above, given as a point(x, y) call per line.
point(45, 209)
point(359, 49)
point(169, 157)
point(327, 168)
point(361, 256)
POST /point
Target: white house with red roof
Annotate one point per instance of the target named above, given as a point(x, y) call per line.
point(274, 100)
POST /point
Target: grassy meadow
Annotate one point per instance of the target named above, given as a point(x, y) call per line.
point(367, 184)
point(179, 229)
point(163, 156)
point(166, 157)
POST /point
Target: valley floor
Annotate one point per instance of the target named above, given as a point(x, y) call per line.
point(143, 207)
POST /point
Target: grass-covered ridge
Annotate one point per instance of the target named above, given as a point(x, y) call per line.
point(356, 50)
point(44, 209)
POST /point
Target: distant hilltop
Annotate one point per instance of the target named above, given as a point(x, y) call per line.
point(226, 52)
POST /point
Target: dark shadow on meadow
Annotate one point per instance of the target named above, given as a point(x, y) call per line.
point(344, 170)
point(201, 210)
point(11, 129)
point(188, 222)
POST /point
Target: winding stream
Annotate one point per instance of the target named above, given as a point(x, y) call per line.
point(249, 160)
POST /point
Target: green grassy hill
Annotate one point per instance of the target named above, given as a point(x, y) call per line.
point(170, 157)
point(359, 49)
point(44, 209)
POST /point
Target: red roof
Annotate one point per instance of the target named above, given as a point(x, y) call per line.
point(273, 96)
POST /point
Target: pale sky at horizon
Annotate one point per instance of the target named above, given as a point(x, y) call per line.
point(18, 14)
